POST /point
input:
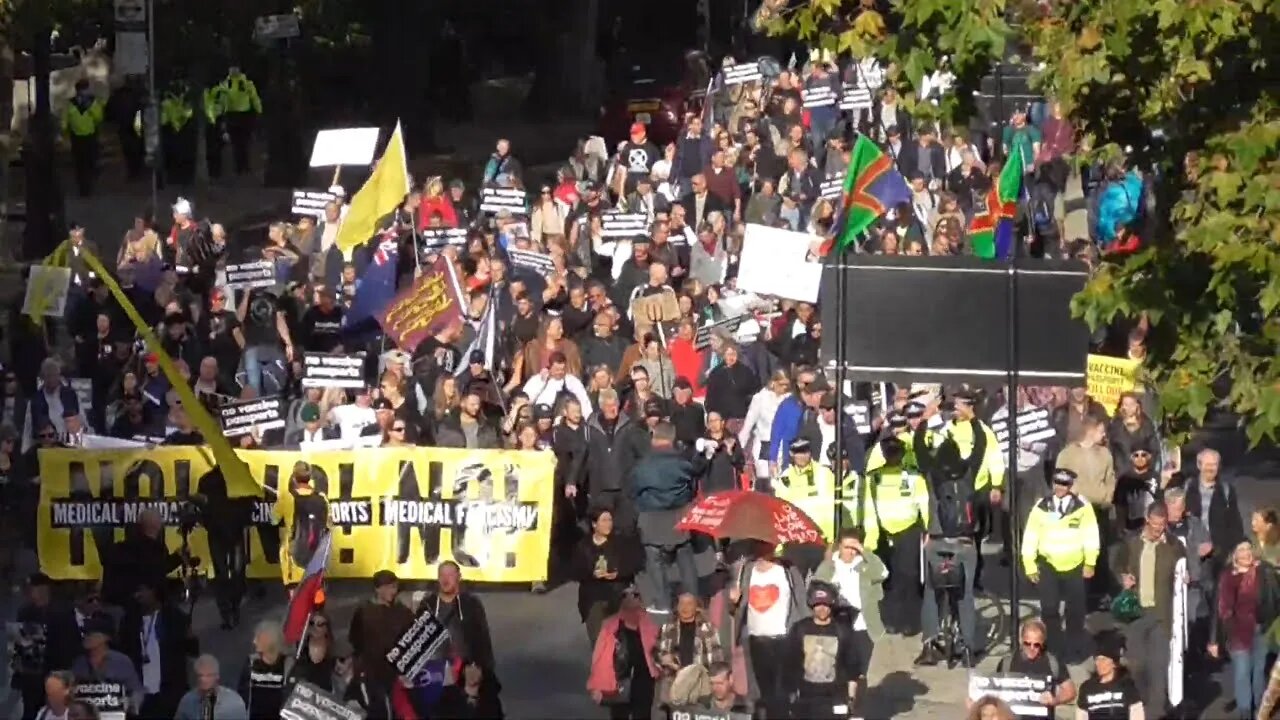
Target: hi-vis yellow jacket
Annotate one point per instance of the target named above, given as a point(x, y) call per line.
point(1065, 540)
point(992, 470)
point(893, 500)
point(813, 490)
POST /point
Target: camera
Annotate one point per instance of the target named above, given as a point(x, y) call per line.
point(190, 515)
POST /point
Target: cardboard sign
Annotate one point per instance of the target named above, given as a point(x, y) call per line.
point(1033, 426)
point(495, 200)
point(820, 96)
point(311, 202)
point(741, 74)
point(47, 291)
point(338, 370)
point(110, 699)
point(1020, 691)
point(775, 262)
point(624, 225)
point(1107, 378)
point(860, 412)
point(276, 27)
point(418, 645)
point(702, 340)
point(831, 188)
point(529, 260)
point(344, 146)
point(855, 97)
point(308, 702)
point(251, 275)
point(424, 308)
point(243, 416)
point(435, 238)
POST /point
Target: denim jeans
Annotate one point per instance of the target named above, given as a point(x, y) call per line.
point(657, 563)
point(264, 369)
point(1247, 676)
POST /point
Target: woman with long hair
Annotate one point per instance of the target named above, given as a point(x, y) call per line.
point(445, 398)
point(1130, 429)
point(624, 670)
point(604, 564)
point(1247, 598)
point(536, 355)
point(1265, 524)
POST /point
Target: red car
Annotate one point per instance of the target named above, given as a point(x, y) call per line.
point(656, 91)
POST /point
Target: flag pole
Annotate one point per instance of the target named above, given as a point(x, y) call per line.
point(302, 641)
point(838, 462)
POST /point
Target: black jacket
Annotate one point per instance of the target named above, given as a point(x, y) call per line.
point(730, 389)
point(908, 160)
point(1226, 524)
point(133, 559)
point(712, 204)
point(172, 633)
point(724, 468)
point(570, 448)
point(475, 626)
point(607, 455)
point(596, 351)
point(450, 434)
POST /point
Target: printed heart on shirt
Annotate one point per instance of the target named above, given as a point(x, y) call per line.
point(762, 597)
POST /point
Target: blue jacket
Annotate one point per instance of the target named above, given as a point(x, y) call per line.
point(1118, 202)
point(786, 427)
point(663, 480)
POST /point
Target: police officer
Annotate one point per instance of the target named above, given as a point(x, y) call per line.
point(895, 513)
point(848, 489)
point(811, 487)
point(1059, 553)
point(215, 111)
point(81, 123)
point(243, 106)
point(989, 483)
point(903, 427)
point(178, 135)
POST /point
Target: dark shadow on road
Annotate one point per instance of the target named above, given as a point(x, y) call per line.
point(895, 694)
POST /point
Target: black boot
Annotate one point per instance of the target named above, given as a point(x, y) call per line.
point(929, 655)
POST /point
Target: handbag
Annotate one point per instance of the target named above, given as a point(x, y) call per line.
point(621, 696)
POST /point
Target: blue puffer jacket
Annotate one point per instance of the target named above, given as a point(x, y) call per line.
point(786, 427)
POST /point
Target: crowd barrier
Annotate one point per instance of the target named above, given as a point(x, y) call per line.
point(399, 509)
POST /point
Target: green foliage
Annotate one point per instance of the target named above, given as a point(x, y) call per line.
point(1204, 73)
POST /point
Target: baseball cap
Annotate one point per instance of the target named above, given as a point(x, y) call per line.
point(99, 624)
point(310, 412)
point(543, 411)
point(477, 357)
point(822, 593)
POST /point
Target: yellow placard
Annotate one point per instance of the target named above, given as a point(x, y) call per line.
point(1108, 377)
point(399, 509)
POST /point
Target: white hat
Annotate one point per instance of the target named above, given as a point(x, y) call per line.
point(182, 206)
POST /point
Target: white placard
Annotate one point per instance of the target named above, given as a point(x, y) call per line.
point(344, 146)
point(774, 263)
point(47, 290)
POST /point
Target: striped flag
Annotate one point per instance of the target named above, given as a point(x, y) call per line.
point(310, 592)
point(872, 185)
point(991, 231)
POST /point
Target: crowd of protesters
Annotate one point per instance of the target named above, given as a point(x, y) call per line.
point(643, 417)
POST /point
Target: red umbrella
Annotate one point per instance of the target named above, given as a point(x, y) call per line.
point(744, 514)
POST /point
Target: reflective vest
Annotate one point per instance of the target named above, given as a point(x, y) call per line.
point(875, 458)
point(83, 122)
point(813, 490)
point(215, 102)
point(893, 500)
point(991, 472)
point(241, 94)
point(1065, 540)
point(175, 112)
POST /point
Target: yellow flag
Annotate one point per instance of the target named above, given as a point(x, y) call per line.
point(382, 192)
point(239, 480)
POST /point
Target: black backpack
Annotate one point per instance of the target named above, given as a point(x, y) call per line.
point(952, 480)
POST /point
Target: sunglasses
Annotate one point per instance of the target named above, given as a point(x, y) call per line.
point(1032, 645)
point(397, 429)
point(47, 435)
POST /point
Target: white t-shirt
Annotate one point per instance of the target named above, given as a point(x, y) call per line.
point(847, 580)
point(768, 599)
point(351, 419)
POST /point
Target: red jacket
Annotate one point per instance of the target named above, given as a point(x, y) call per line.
point(438, 205)
point(688, 363)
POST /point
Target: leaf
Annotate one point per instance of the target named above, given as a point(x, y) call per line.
point(1089, 39)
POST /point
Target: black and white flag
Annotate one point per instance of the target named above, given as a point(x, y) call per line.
point(251, 275)
point(624, 225)
point(495, 200)
point(486, 337)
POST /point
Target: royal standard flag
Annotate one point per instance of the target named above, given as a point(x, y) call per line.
point(382, 192)
point(991, 230)
point(872, 185)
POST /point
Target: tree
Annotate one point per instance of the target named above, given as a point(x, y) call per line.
point(1191, 87)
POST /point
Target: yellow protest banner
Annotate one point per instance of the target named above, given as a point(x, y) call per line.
point(399, 509)
point(1107, 377)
